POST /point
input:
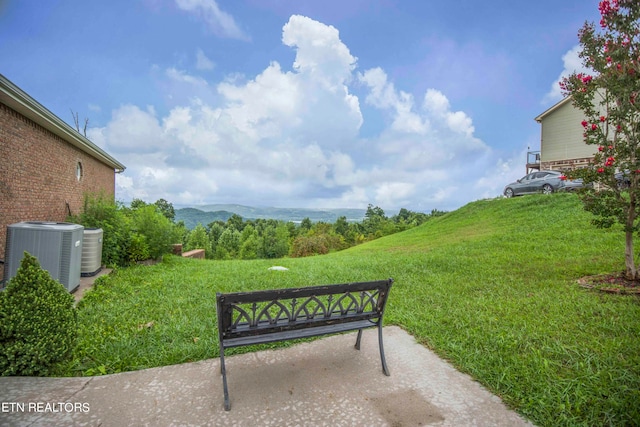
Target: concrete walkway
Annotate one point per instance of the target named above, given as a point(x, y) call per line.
point(322, 383)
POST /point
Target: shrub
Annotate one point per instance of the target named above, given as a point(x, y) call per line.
point(309, 245)
point(129, 235)
point(102, 212)
point(38, 324)
point(138, 248)
point(160, 233)
point(199, 239)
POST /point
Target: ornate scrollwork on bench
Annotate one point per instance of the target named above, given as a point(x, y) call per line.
point(293, 309)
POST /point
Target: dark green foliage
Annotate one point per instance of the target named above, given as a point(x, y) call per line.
point(100, 211)
point(272, 238)
point(275, 241)
point(166, 209)
point(38, 324)
point(138, 248)
point(159, 232)
point(132, 234)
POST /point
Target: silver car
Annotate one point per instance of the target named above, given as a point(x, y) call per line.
point(545, 182)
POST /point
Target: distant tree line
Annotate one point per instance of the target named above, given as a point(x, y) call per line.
point(237, 238)
point(148, 230)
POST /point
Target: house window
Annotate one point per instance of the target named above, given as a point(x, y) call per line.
point(79, 171)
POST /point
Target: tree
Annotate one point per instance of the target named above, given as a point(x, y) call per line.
point(215, 231)
point(166, 209)
point(249, 243)
point(609, 101)
point(342, 226)
point(374, 219)
point(199, 239)
point(275, 241)
point(236, 222)
point(137, 204)
point(306, 224)
point(228, 243)
point(76, 121)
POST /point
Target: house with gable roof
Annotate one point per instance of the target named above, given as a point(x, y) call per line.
point(46, 166)
point(562, 145)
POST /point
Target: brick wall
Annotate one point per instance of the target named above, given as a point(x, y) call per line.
point(38, 180)
point(568, 164)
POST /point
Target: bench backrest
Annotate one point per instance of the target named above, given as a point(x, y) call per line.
point(244, 314)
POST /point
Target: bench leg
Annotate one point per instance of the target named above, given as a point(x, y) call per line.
point(358, 339)
point(223, 371)
point(384, 362)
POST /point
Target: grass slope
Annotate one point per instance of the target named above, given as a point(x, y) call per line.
point(490, 287)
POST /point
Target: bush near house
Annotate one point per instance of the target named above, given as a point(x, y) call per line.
point(38, 325)
point(132, 234)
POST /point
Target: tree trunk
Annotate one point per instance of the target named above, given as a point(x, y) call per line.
point(631, 270)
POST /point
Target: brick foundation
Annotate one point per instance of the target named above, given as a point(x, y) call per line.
point(568, 164)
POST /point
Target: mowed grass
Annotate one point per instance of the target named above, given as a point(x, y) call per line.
point(489, 287)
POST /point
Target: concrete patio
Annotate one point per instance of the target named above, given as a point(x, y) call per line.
point(322, 383)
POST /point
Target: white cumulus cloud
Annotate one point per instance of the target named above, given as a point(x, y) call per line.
point(291, 135)
point(218, 21)
point(572, 64)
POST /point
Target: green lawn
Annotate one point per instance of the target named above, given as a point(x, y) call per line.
point(489, 287)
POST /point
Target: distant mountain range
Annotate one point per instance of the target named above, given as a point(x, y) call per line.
point(206, 214)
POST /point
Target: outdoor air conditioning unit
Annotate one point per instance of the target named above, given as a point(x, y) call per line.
point(56, 245)
point(91, 252)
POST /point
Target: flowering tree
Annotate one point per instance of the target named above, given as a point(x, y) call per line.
point(612, 118)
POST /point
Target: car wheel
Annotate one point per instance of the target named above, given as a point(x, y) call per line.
point(547, 189)
point(623, 184)
point(508, 192)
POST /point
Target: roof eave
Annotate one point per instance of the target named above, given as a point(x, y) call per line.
point(553, 108)
point(18, 100)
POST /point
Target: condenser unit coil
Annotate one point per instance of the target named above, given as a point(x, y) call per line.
point(91, 252)
point(56, 245)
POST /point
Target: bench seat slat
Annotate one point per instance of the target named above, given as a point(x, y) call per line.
point(298, 333)
point(265, 327)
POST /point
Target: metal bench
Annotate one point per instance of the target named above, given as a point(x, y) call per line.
point(247, 318)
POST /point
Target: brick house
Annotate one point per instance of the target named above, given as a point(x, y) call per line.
point(562, 145)
point(46, 166)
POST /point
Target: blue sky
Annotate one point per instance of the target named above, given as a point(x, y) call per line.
point(418, 104)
